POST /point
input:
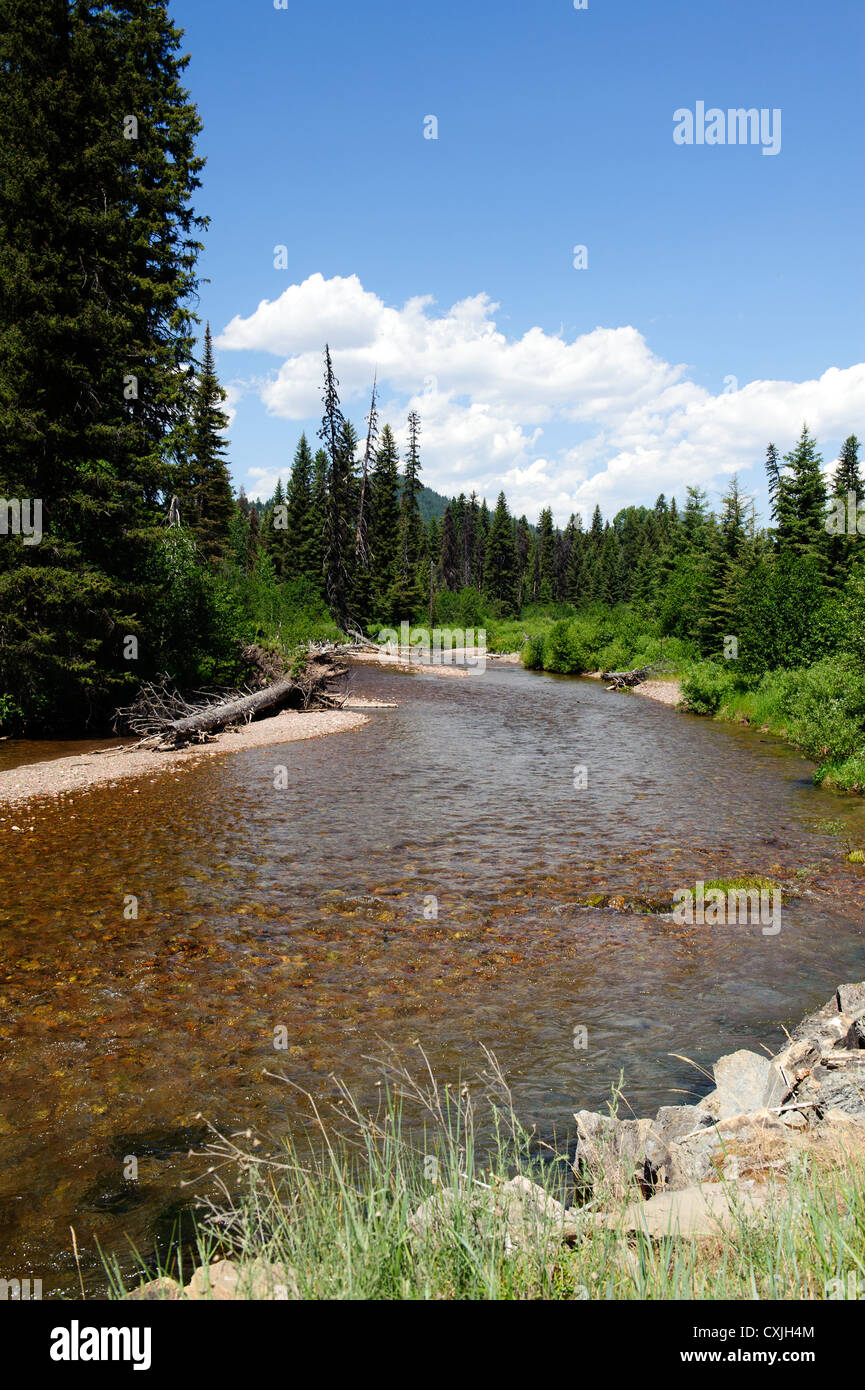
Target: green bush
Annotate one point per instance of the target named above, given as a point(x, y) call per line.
point(564, 649)
point(705, 687)
point(533, 654)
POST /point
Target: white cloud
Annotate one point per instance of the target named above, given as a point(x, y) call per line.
point(487, 401)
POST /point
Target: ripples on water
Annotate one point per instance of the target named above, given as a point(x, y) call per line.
point(304, 908)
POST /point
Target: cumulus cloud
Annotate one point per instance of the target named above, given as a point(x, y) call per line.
point(600, 418)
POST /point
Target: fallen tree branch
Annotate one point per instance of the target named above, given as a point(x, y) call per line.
point(621, 680)
point(169, 720)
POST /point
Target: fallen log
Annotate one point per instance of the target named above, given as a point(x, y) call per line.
point(167, 720)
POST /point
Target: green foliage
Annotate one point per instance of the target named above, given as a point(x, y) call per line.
point(564, 649)
point(705, 687)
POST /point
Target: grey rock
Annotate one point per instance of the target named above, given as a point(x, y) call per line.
point(851, 999)
point(742, 1079)
point(519, 1212)
point(840, 1088)
point(679, 1146)
point(673, 1122)
point(612, 1150)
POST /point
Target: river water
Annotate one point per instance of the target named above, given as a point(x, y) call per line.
point(311, 910)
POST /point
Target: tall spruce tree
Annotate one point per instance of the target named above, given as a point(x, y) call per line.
point(339, 533)
point(98, 248)
point(806, 496)
point(450, 559)
point(847, 475)
point(302, 543)
point(501, 564)
point(384, 541)
point(206, 489)
point(411, 526)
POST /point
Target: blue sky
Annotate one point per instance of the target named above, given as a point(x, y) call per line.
point(724, 297)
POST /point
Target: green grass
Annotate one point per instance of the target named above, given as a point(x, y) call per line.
point(727, 885)
point(339, 1216)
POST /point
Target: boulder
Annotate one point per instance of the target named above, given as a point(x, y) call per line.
point(851, 999)
point(223, 1281)
point(518, 1210)
point(158, 1290)
point(680, 1146)
point(701, 1211)
point(612, 1151)
point(816, 1036)
point(837, 1088)
point(745, 1081)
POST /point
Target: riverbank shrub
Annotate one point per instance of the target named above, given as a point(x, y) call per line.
point(819, 708)
point(705, 686)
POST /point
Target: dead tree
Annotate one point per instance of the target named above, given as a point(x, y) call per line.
point(166, 719)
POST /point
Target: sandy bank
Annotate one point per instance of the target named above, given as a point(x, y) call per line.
point(78, 773)
point(665, 692)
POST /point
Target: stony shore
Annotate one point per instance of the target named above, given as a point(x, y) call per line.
point(693, 1172)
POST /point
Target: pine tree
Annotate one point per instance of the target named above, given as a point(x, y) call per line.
point(450, 560)
point(302, 551)
point(847, 476)
point(318, 521)
point(482, 530)
point(468, 537)
point(97, 284)
point(500, 562)
point(411, 527)
point(362, 556)
point(273, 532)
point(524, 561)
point(546, 556)
point(724, 567)
point(338, 528)
point(806, 496)
point(206, 489)
point(385, 536)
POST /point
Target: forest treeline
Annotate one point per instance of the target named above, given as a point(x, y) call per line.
point(112, 419)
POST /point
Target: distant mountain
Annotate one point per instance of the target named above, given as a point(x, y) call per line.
point(431, 504)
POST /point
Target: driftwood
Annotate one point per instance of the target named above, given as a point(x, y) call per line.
point(168, 720)
point(622, 680)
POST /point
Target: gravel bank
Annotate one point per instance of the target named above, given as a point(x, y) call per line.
point(80, 772)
